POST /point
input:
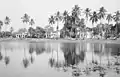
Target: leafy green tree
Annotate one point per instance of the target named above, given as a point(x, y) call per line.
point(40, 32)
point(31, 31)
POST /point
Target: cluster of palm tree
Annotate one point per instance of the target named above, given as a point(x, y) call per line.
point(27, 20)
point(6, 22)
point(79, 18)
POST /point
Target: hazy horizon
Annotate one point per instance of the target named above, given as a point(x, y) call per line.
point(40, 10)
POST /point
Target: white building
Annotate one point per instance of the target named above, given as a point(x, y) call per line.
point(20, 35)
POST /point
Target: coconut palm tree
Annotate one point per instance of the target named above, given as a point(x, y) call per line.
point(116, 17)
point(25, 18)
point(51, 20)
point(65, 16)
point(11, 29)
point(87, 14)
point(31, 22)
point(58, 18)
point(102, 13)
point(76, 13)
point(1, 24)
point(109, 18)
point(6, 21)
point(94, 18)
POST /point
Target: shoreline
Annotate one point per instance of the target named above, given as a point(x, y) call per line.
point(61, 40)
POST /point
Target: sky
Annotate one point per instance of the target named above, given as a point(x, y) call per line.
point(40, 10)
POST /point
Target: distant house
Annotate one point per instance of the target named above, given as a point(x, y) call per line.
point(20, 35)
point(81, 33)
point(55, 34)
point(49, 31)
point(84, 33)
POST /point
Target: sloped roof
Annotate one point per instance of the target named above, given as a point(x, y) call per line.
point(49, 29)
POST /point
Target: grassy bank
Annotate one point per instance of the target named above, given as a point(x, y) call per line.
point(61, 40)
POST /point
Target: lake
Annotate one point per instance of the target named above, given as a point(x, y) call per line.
point(59, 59)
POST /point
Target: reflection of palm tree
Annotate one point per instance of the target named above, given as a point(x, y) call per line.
point(7, 59)
point(1, 57)
point(25, 60)
point(108, 58)
point(51, 60)
point(31, 57)
point(57, 64)
point(92, 55)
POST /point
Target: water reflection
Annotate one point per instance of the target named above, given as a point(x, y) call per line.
point(80, 59)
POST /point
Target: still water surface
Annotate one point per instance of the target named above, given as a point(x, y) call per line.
point(48, 59)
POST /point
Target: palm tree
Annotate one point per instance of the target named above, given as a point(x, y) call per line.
point(87, 13)
point(58, 18)
point(51, 20)
point(94, 18)
point(76, 12)
point(25, 18)
point(11, 29)
point(101, 16)
point(31, 22)
point(102, 13)
point(1, 24)
point(65, 16)
point(109, 18)
point(116, 18)
point(7, 21)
